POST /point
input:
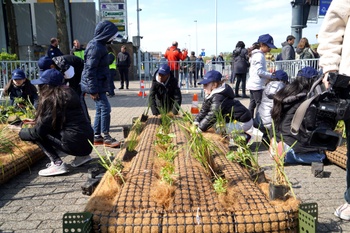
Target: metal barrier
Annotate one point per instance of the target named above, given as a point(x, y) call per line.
point(30, 68)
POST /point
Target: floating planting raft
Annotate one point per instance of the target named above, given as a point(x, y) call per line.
point(144, 204)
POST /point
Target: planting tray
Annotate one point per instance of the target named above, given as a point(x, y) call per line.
point(338, 156)
point(17, 158)
point(193, 206)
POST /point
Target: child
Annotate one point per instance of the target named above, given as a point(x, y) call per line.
point(257, 72)
point(286, 102)
point(263, 121)
point(165, 94)
point(59, 124)
point(20, 86)
point(219, 99)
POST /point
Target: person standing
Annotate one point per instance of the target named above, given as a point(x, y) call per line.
point(334, 51)
point(78, 49)
point(304, 50)
point(221, 60)
point(257, 71)
point(174, 55)
point(200, 66)
point(53, 50)
point(193, 70)
point(288, 52)
point(113, 71)
point(59, 124)
point(184, 67)
point(240, 67)
point(94, 81)
point(123, 64)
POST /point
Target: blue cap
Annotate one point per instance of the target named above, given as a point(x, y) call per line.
point(211, 76)
point(164, 69)
point(51, 77)
point(44, 63)
point(18, 74)
point(280, 74)
point(267, 39)
point(308, 72)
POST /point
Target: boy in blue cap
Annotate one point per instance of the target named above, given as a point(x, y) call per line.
point(20, 86)
point(165, 94)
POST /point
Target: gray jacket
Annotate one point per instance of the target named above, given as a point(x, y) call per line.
point(288, 52)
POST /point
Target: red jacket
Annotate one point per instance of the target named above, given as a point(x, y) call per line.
point(174, 55)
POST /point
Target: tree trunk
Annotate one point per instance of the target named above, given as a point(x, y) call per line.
point(62, 32)
point(11, 27)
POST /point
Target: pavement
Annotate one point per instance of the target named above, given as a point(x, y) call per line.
point(30, 203)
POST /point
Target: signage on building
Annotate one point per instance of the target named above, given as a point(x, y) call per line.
point(115, 11)
point(324, 5)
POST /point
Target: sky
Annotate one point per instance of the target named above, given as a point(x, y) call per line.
point(163, 21)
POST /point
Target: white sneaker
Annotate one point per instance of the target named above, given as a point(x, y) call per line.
point(80, 160)
point(343, 212)
point(53, 169)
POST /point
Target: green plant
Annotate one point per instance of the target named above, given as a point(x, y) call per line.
point(220, 185)
point(167, 173)
point(114, 167)
point(169, 154)
point(340, 127)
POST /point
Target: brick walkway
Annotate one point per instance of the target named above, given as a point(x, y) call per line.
point(30, 203)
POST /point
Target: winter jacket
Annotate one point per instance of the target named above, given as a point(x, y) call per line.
point(165, 96)
point(199, 63)
point(263, 114)
point(27, 90)
point(63, 62)
point(53, 52)
point(220, 60)
point(123, 60)
point(174, 55)
point(96, 68)
point(334, 39)
point(185, 64)
point(290, 105)
point(75, 133)
point(305, 53)
point(221, 100)
point(257, 72)
point(288, 52)
point(240, 60)
point(193, 65)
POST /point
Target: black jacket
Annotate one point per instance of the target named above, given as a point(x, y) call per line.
point(27, 90)
point(222, 101)
point(53, 52)
point(240, 60)
point(165, 96)
point(75, 133)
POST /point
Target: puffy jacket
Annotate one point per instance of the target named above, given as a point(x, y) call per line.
point(288, 52)
point(174, 55)
point(283, 129)
point(27, 90)
point(264, 110)
point(96, 68)
point(165, 96)
point(221, 100)
point(240, 60)
point(76, 130)
point(257, 72)
point(123, 60)
point(305, 53)
point(53, 52)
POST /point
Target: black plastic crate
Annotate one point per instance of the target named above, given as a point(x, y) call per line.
point(77, 222)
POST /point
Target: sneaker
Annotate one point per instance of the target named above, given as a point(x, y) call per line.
point(80, 160)
point(98, 140)
point(53, 169)
point(111, 142)
point(343, 212)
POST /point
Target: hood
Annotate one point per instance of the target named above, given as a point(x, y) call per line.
point(284, 43)
point(257, 51)
point(224, 90)
point(272, 88)
point(104, 31)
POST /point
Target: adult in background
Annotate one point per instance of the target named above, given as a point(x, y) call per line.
point(193, 70)
point(123, 64)
point(165, 95)
point(221, 60)
point(288, 52)
point(257, 72)
point(240, 67)
point(78, 49)
point(112, 70)
point(53, 50)
point(200, 66)
point(59, 124)
point(334, 50)
point(304, 50)
point(94, 81)
point(173, 54)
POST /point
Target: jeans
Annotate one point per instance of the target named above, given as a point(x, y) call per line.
point(239, 78)
point(103, 115)
point(184, 76)
point(347, 192)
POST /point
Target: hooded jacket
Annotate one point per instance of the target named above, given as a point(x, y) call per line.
point(96, 68)
point(221, 100)
point(165, 95)
point(27, 90)
point(257, 72)
point(240, 60)
point(174, 55)
point(288, 52)
point(264, 110)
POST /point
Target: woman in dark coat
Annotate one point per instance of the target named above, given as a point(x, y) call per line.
point(59, 124)
point(165, 95)
point(240, 67)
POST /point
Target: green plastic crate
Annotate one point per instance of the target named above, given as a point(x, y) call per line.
point(77, 222)
point(308, 214)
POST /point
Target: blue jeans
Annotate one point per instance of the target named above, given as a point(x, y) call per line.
point(305, 158)
point(103, 115)
point(347, 192)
